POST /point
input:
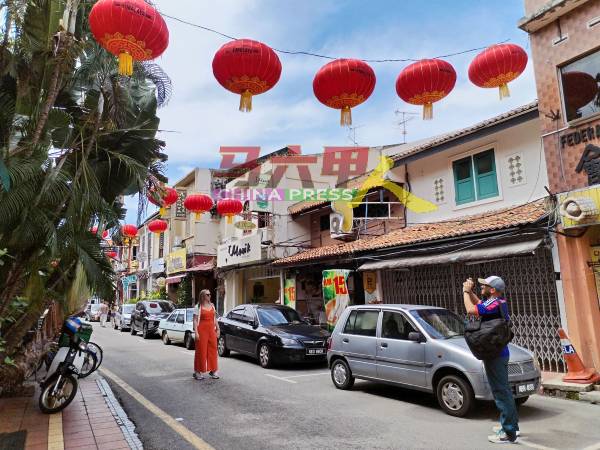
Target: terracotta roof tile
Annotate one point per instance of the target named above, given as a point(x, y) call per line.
point(489, 221)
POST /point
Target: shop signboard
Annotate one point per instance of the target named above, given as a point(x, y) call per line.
point(370, 286)
point(289, 292)
point(180, 211)
point(176, 261)
point(245, 225)
point(240, 251)
point(131, 279)
point(580, 208)
point(335, 294)
point(157, 265)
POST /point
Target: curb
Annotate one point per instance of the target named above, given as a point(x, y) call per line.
point(126, 425)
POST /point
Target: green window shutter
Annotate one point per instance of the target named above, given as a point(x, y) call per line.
point(485, 175)
point(464, 187)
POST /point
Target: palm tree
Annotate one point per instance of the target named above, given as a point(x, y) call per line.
point(74, 138)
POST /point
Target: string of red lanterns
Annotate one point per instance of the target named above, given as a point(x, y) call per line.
point(134, 30)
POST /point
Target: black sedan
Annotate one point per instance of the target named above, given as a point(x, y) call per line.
point(272, 334)
point(147, 315)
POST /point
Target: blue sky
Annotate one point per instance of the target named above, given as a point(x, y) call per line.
point(202, 115)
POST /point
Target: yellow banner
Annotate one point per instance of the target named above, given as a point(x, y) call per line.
point(176, 261)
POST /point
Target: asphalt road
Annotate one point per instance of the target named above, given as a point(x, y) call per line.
point(299, 408)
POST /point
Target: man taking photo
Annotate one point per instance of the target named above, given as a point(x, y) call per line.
point(493, 306)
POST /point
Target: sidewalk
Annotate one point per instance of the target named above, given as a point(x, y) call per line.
point(93, 421)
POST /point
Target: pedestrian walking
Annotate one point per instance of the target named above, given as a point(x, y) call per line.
point(207, 333)
point(492, 306)
point(103, 314)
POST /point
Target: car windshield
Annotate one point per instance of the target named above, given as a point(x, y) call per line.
point(278, 316)
point(439, 323)
point(127, 309)
point(159, 307)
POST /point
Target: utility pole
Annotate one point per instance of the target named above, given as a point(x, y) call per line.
point(406, 117)
point(352, 134)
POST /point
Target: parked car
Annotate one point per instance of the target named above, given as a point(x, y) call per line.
point(272, 334)
point(178, 327)
point(122, 319)
point(92, 312)
point(422, 348)
point(147, 315)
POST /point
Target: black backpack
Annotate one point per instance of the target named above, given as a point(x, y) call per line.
point(487, 338)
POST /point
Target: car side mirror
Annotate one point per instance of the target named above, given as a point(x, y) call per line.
point(415, 336)
point(254, 324)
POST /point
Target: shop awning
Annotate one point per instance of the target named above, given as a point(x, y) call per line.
point(171, 280)
point(471, 254)
point(205, 267)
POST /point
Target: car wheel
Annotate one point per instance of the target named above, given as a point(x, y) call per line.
point(133, 332)
point(145, 334)
point(165, 338)
point(222, 347)
point(519, 401)
point(188, 341)
point(455, 395)
point(264, 356)
point(341, 375)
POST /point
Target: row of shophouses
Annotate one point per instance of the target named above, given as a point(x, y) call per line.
point(517, 195)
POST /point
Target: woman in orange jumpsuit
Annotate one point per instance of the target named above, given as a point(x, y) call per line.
point(207, 333)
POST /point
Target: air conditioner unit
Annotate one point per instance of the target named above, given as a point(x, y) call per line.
point(177, 242)
point(266, 235)
point(335, 228)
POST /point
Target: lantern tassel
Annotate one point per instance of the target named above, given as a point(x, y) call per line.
point(125, 64)
point(504, 91)
point(163, 212)
point(246, 101)
point(229, 219)
point(428, 111)
point(198, 215)
point(346, 116)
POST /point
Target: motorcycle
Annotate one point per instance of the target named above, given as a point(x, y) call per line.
point(59, 387)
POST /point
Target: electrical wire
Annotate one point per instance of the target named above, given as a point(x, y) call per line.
point(318, 55)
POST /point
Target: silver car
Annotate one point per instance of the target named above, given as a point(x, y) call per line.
point(422, 348)
point(122, 320)
point(178, 327)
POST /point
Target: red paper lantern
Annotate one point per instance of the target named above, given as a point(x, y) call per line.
point(130, 29)
point(158, 226)
point(426, 82)
point(198, 204)
point(343, 84)
point(229, 207)
point(111, 254)
point(94, 230)
point(246, 67)
point(129, 231)
point(167, 196)
point(497, 66)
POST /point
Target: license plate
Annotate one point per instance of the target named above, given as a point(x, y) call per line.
point(526, 388)
point(315, 351)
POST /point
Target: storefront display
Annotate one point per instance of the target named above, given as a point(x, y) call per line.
point(335, 294)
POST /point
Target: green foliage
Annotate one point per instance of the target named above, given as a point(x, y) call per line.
point(160, 294)
point(74, 137)
point(184, 293)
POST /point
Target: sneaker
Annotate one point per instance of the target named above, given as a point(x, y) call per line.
point(213, 375)
point(498, 429)
point(501, 438)
point(198, 376)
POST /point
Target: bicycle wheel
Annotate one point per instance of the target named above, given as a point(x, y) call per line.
point(90, 363)
point(95, 348)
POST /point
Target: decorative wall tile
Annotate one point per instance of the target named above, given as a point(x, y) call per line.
point(516, 169)
point(439, 190)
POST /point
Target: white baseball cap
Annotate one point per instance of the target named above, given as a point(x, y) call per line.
point(493, 281)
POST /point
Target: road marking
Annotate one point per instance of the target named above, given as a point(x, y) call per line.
point(55, 432)
point(307, 375)
point(595, 446)
point(171, 422)
point(280, 378)
point(533, 445)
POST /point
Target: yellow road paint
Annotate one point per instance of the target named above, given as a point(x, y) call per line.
point(170, 421)
point(55, 432)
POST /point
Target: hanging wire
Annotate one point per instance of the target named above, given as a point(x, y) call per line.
point(317, 55)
